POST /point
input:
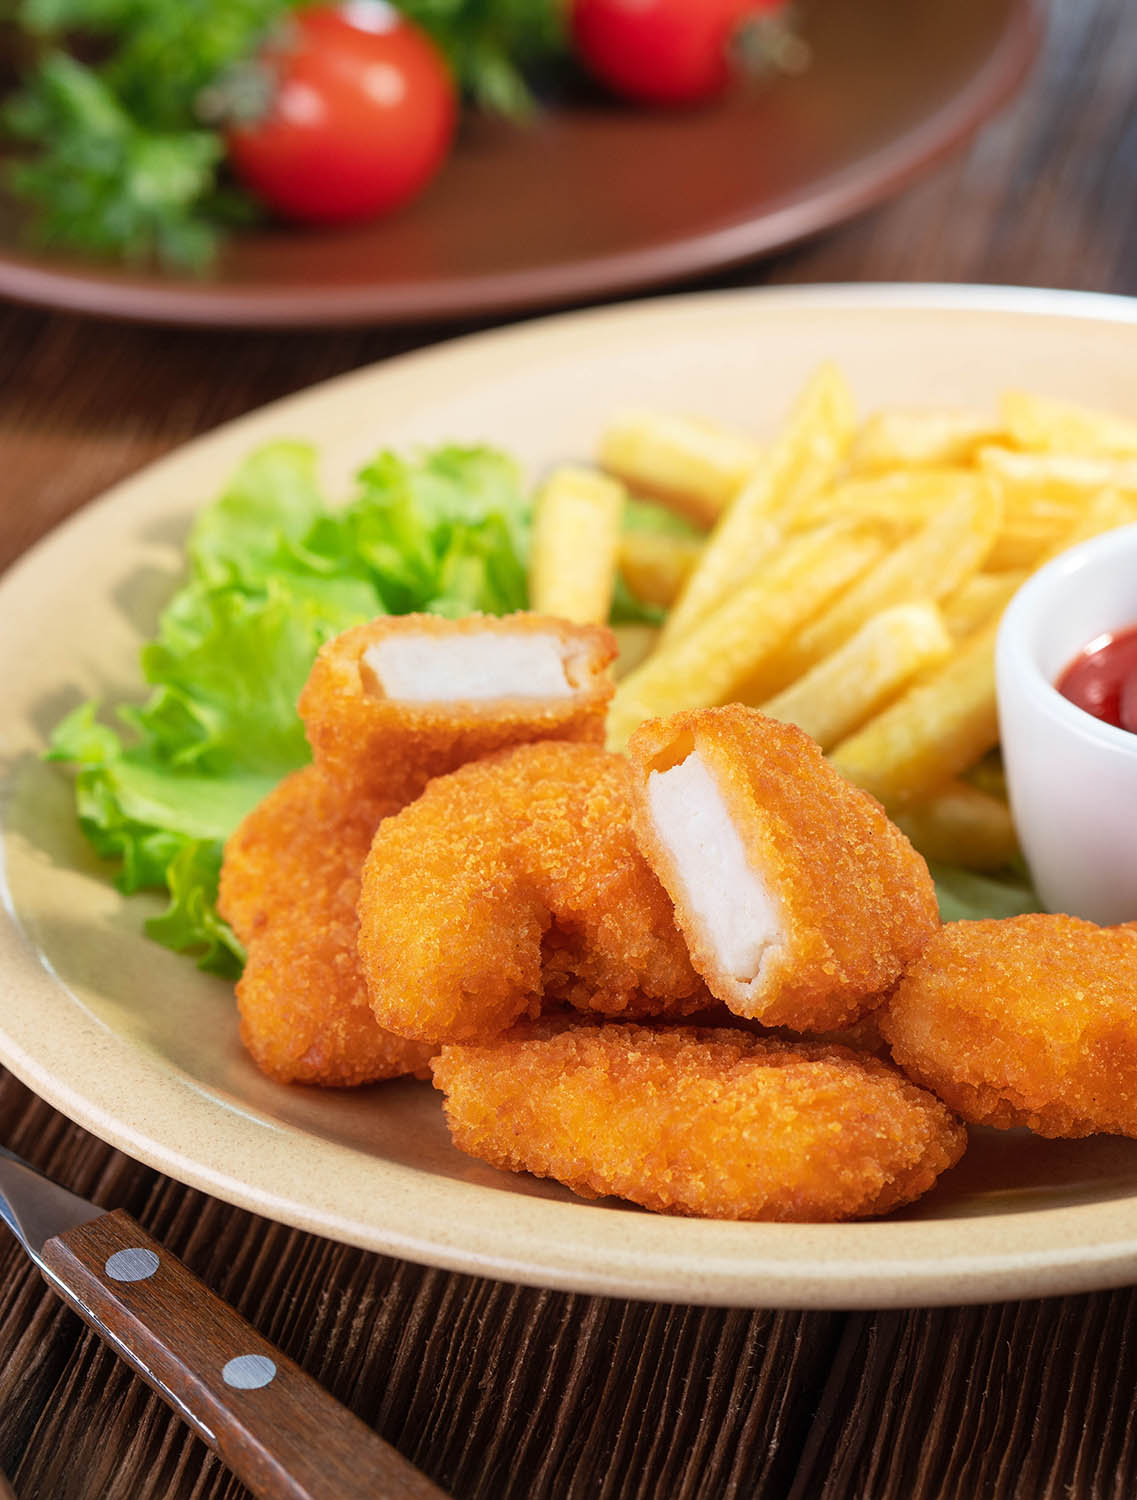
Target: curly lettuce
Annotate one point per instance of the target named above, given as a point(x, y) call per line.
point(272, 574)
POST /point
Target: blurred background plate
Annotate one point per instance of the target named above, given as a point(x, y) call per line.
point(595, 198)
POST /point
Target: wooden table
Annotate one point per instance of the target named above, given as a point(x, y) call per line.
point(505, 1393)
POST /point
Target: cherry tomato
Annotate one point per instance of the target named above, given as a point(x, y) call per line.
point(362, 116)
point(662, 51)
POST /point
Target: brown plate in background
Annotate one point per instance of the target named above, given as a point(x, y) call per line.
point(595, 198)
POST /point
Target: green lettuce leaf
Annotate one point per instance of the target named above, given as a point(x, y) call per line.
point(965, 895)
point(449, 533)
point(273, 574)
point(272, 500)
point(226, 702)
point(190, 924)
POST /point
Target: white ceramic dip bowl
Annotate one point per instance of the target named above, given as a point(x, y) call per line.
point(1072, 778)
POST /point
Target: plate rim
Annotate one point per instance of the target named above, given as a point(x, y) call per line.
point(900, 1278)
point(87, 288)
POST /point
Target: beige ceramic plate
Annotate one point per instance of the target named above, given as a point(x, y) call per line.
point(136, 1045)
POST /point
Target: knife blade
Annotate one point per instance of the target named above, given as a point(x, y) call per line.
point(280, 1432)
point(35, 1208)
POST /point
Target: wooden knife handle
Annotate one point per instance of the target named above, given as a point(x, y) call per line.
point(275, 1427)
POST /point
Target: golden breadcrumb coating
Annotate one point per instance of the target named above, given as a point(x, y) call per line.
point(1025, 1021)
point(358, 734)
point(713, 1124)
point(851, 902)
point(289, 889)
point(515, 881)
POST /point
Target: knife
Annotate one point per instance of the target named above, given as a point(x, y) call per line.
point(279, 1431)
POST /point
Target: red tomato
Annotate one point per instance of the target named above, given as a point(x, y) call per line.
point(662, 51)
point(362, 117)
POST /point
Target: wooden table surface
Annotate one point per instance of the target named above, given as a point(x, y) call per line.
point(507, 1393)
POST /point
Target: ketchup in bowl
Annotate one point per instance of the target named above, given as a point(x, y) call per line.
point(1103, 679)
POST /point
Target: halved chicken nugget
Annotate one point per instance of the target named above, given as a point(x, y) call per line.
point(800, 901)
point(713, 1124)
point(1026, 1021)
point(513, 884)
point(393, 703)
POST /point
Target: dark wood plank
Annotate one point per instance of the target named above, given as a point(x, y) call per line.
point(503, 1392)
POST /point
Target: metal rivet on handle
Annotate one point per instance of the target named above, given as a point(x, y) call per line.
point(135, 1264)
point(248, 1372)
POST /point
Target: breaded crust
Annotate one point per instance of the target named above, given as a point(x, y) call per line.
point(361, 736)
point(289, 889)
point(853, 901)
point(713, 1124)
point(1025, 1021)
point(513, 883)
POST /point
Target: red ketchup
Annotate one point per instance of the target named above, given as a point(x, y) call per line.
point(1103, 679)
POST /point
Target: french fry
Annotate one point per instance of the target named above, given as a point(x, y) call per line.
point(802, 460)
point(1021, 545)
point(929, 565)
point(1040, 423)
point(856, 607)
point(706, 665)
point(898, 439)
point(869, 670)
point(961, 825)
point(940, 727)
point(655, 567)
point(1106, 511)
point(636, 643)
point(1024, 547)
point(1031, 545)
point(901, 500)
point(576, 536)
point(1035, 484)
point(692, 466)
point(976, 599)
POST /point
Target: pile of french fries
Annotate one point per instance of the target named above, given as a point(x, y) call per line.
point(847, 576)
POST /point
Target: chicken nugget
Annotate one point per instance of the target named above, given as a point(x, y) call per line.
point(393, 703)
point(713, 1124)
point(513, 883)
point(423, 695)
point(289, 889)
point(800, 901)
point(1026, 1021)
